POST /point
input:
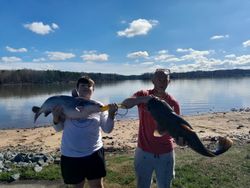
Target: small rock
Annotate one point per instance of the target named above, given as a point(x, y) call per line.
point(57, 160)
point(40, 162)
point(1, 165)
point(38, 168)
point(247, 109)
point(213, 139)
point(234, 110)
point(15, 176)
point(1, 156)
point(240, 126)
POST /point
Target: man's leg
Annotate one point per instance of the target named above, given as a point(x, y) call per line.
point(164, 170)
point(143, 168)
point(96, 183)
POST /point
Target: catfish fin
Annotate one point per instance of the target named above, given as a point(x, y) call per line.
point(35, 109)
point(46, 113)
point(184, 122)
point(187, 127)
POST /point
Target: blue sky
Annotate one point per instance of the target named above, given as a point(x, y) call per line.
point(124, 36)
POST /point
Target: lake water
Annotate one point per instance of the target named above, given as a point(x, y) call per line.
point(195, 96)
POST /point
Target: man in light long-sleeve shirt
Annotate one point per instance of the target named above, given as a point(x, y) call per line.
point(82, 147)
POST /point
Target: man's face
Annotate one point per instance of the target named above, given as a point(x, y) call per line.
point(85, 90)
point(161, 81)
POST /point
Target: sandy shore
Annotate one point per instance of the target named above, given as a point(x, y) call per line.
point(235, 125)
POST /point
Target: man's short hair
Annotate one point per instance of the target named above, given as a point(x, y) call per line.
point(163, 71)
point(85, 80)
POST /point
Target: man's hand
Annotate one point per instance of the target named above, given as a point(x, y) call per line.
point(112, 110)
point(58, 114)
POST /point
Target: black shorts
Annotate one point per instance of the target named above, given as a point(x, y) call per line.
point(76, 169)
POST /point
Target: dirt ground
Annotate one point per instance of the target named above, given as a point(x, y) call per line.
point(235, 125)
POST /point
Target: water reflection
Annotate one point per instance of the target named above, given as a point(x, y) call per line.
point(21, 91)
point(195, 96)
point(27, 90)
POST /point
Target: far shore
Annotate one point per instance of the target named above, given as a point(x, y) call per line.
point(235, 125)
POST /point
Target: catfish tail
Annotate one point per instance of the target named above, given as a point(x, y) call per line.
point(37, 111)
point(195, 143)
point(224, 144)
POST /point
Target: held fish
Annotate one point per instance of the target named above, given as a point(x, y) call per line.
point(73, 107)
point(169, 122)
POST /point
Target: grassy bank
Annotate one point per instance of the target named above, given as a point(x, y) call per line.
point(229, 170)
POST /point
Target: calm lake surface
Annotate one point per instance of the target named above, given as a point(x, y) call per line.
point(195, 96)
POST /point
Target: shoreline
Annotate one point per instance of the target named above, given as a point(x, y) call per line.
point(234, 124)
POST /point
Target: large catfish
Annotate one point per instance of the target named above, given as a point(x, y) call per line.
point(169, 122)
point(73, 107)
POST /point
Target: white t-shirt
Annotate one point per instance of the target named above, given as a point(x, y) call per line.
point(83, 137)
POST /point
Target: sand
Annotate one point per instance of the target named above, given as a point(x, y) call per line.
point(235, 125)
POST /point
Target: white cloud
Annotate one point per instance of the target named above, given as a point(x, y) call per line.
point(59, 56)
point(246, 43)
point(16, 49)
point(193, 52)
point(198, 63)
point(123, 22)
point(10, 59)
point(39, 59)
point(54, 26)
point(184, 50)
point(104, 67)
point(193, 60)
point(147, 63)
point(201, 62)
point(217, 37)
point(40, 28)
point(138, 27)
point(242, 60)
point(164, 56)
point(186, 60)
point(92, 56)
point(162, 52)
point(195, 55)
point(139, 54)
point(230, 56)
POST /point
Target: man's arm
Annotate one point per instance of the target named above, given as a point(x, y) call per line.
point(133, 101)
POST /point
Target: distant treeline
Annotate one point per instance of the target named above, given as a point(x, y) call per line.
point(212, 74)
point(50, 76)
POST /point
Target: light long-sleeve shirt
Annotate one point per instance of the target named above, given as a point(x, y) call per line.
point(83, 137)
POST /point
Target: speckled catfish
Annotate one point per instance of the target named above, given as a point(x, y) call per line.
point(169, 122)
point(73, 107)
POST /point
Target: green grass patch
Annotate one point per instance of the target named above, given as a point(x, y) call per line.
point(51, 172)
point(120, 171)
point(229, 170)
